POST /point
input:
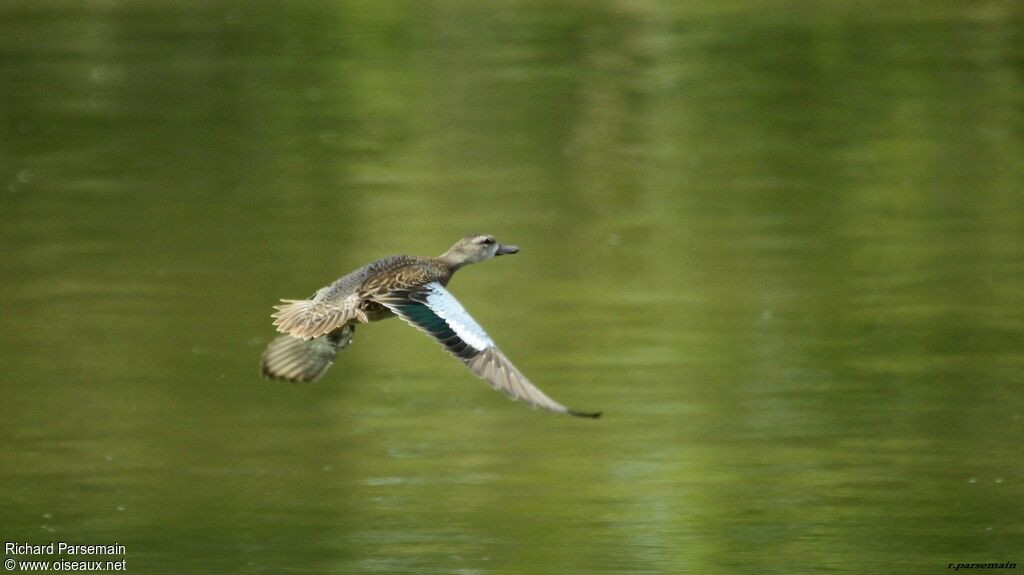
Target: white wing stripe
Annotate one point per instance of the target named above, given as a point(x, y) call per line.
point(444, 304)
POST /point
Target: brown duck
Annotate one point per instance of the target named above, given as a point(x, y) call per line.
point(413, 288)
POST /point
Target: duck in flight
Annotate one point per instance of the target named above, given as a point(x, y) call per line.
point(412, 288)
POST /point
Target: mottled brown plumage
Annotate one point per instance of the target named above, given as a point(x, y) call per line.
point(413, 288)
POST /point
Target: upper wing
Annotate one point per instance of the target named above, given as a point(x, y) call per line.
point(402, 278)
point(433, 310)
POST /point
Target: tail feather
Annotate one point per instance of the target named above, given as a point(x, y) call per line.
point(309, 319)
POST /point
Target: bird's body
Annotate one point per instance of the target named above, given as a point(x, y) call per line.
point(413, 288)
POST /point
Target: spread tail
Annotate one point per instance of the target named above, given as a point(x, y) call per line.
point(310, 319)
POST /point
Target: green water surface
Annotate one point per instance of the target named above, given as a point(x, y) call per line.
point(780, 244)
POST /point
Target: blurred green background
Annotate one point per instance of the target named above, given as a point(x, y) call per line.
point(780, 244)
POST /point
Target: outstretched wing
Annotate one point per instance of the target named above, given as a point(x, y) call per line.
point(435, 311)
point(303, 361)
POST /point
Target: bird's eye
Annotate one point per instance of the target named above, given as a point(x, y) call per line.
point(487, 241)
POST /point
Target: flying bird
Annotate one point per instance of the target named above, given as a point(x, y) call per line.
point(413, 288)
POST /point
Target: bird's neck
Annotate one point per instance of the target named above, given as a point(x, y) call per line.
point(452, 261)
point(448, 265)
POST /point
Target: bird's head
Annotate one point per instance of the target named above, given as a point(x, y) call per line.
point(476, 248)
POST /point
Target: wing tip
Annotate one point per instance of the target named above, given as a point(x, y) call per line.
point(586, 414)
point(297, 380)
point(271, 374)
point(291, 359)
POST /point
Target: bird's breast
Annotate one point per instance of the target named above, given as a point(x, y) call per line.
point(375, 311)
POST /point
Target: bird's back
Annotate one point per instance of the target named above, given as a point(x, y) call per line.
point(379, 272)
